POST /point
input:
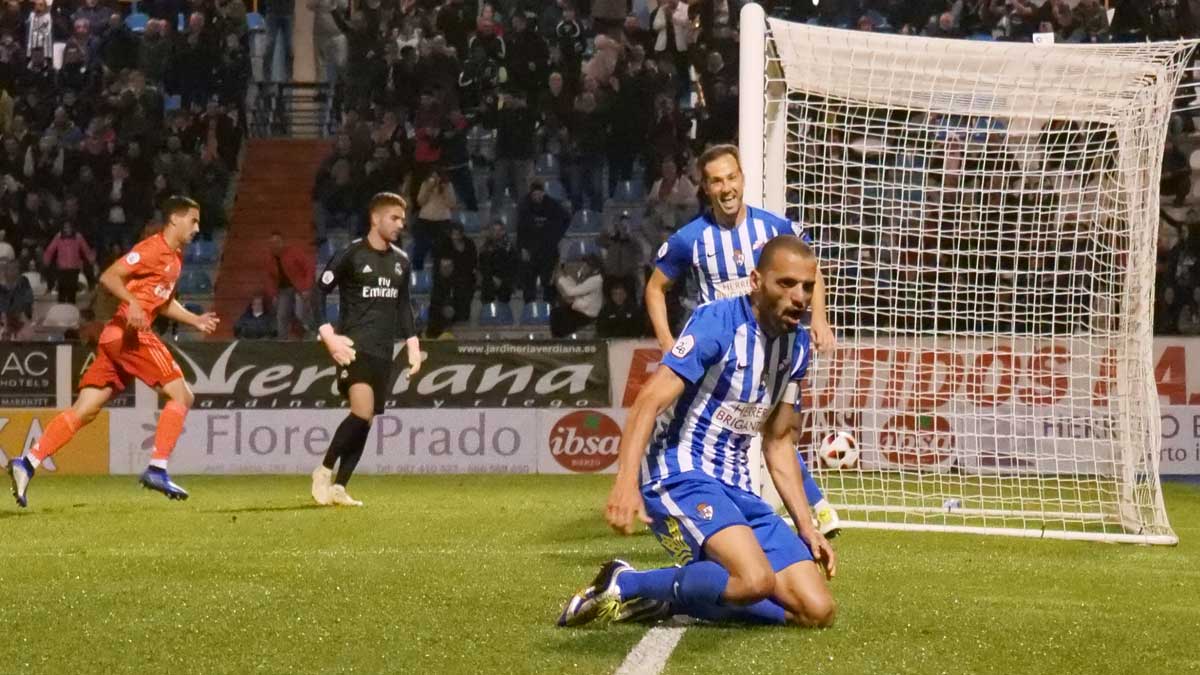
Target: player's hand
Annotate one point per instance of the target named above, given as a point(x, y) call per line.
point(136, 317)
point(340, 347)
point(207, 323)
point(414, 364)
point(625, 507)
point(822, 551)
point(822, 335)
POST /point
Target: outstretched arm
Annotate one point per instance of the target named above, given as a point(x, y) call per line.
point(625, 504)
point(656, 307)
point(205, 323)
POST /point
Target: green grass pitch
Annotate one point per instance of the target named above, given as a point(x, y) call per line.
point(466, 574)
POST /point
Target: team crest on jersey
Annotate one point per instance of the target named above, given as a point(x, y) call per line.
point(133, 258)
point(662, 250)
point(399, 269)
point(704, 510)
point(738, 257)
point(683, 346)
point(327, 277)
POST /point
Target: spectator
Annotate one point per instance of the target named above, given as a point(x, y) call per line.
point(528, 55)
point(515, 125)
point(436, 201)
point(580, 296)
point(498, 264)
point(39, 29)
point(588, 135)
point(1176, 173)
point(572, 44)
point(337, 202)
point(455, 21)
point(671, 202)
point(462, 252)
point(671, 26)
point(457, 159)
point(624, 256)
point(541, 223)
point(290, 272)
point(329, 42)
point(16, 328)
point(1189, 319)
point(1166, 311)
point(449, 301)
point(65, 259)
point(621, 316)
point(16, 295)
point(256, 323)
point(280, 16)
point(118, 45)
point(154, 52)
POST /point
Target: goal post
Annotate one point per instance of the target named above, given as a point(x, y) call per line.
point(986, 217)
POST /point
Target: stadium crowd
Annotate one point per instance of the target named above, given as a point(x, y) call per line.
point(546, 148)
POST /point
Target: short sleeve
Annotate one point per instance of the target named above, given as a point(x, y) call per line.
point(140, 258)
point(800, 358)
point(701, 344)
point(674, 256)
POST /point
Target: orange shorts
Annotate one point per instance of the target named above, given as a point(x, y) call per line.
point(138, 354)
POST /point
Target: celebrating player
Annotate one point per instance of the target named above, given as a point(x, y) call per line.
point(144, 282)
point(720, 248)
point(734, 370)
point(372, 276)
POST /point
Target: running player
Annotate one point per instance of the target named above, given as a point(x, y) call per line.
point(720, 248)
point(144, 282)
point(735, 370)
point(372, 275)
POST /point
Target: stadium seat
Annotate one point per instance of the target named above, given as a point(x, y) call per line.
point(496, 314)
point(422, 282)
point(36, 283)
point(421, 313)
point(469, 221)
point(324, 254)
point(202, 252)
point(61, 316)
point(172, 102)
point(256, 23)
point(555, 190)
point(195, 282)
point(629, 192)
point(535, 314)
point(586, 222)
point(332, 308)
point(136, 22)
point(576, 248)
point(506, 214)
point(547, 166)
point(193, 307)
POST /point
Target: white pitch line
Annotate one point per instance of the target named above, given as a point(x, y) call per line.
point(649, 656)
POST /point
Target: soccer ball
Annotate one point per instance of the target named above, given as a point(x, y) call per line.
point(839, 450)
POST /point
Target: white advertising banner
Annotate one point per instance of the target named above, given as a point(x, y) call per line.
point(1180, 454)
point(579, 441)
point(293, 441)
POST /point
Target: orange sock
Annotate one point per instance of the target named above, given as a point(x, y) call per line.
point(58, 433)
point(170, 426)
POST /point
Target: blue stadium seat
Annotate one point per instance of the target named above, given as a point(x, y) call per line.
point(422, 282)
point(255, 22)
point(421, 312)
point(629, 192)
point(332, 309)
point(201, 252)
point(195, 282)
point(324, 254)
point(469, 220)
point(576, 248)
point(535, 314)
point(136, 22)
point(547, 165)
point(496, 314)
point(172, 103)
point(555, 190)
point(193, 307)
point(586, 222)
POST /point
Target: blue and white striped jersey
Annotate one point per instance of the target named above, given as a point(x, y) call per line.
point(734, 376)
point(720, 258)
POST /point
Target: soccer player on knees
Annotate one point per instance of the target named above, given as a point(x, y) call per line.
point(372, 275)
point(735, 370)
point(144, 281)
point(719, 248)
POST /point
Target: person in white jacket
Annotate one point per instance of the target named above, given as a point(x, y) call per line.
point(580, 296)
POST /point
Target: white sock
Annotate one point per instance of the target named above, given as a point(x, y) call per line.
point(323, 470)
point(34, 461)
point(159, 464)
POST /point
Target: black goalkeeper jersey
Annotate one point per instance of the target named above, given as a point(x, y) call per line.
point(375, 310)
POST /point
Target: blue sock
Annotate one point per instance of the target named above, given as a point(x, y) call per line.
point(811, 490)
point(698, 594)
point(653, 584)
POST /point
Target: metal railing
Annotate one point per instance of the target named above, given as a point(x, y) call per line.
point(291, 109)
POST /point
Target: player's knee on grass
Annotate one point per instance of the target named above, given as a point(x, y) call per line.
point(803, 593)
point(817, 612)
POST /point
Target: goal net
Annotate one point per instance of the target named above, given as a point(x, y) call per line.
point(986, 217)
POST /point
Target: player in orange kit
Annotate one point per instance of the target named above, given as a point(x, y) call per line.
point(144, 281)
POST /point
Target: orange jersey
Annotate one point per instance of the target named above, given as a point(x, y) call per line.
point(155, 269)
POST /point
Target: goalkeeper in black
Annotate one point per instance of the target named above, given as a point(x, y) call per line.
point(372, 276)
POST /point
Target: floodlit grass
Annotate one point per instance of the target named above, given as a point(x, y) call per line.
point(466, 574)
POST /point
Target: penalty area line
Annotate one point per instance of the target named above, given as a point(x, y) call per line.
point(649, 657)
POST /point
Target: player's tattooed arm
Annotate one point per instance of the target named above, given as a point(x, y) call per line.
point(822, 333)
point(779, 451)
point(625, 505)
